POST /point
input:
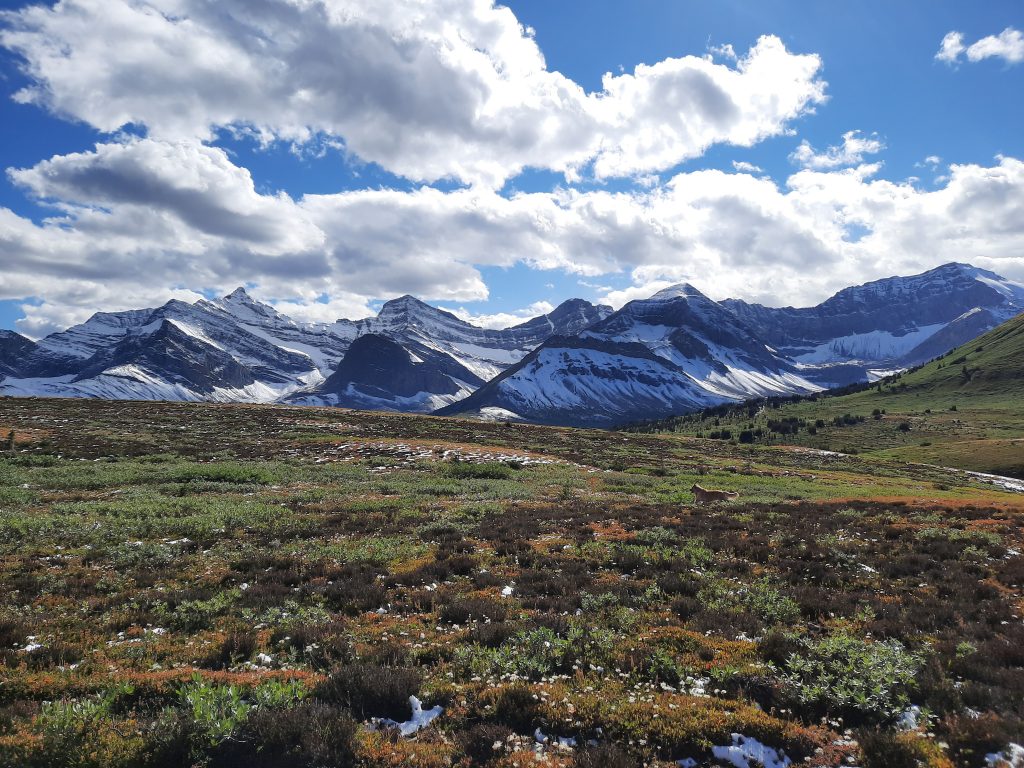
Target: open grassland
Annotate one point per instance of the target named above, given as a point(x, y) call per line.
point(965, 409)
point(256, 586)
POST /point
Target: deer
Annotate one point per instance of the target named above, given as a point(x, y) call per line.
point(706, 495)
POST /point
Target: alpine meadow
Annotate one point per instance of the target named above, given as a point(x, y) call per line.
point(480, 384)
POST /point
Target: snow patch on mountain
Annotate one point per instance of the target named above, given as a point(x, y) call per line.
point(873, 345)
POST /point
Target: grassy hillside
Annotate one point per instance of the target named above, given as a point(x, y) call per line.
point(965, 409)
point(226, 585)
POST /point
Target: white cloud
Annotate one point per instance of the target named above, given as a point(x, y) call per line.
point(450, 88)
point(731, 234)
point(1008, 45)
point(744, 167)
point(852, 152)
point(340, 305)
point(726, 51)
point(951, 48)
point(504, 319)
point(196, 185)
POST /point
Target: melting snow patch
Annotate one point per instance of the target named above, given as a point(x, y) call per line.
point(563, 741)
point(744, 749)
point(908, 720)
point(507, 592)
point(420, 718)
point(1013, 756)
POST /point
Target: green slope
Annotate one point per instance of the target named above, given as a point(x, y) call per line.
point(965, 409)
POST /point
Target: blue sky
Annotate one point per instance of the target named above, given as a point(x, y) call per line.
point(877, 69)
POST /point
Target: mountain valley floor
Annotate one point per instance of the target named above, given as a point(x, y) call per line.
point(226, 585)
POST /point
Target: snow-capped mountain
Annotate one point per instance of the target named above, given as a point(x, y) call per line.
point(674, 352)
point(891, 323)
point(580, 364)
point(236, 348)
point(444, 355)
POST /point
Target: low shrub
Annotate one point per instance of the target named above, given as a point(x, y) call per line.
point(309, 735)
point(462, 610)
point(370, 690)
point(605, 756)
point(464, 470)
point(484, 742)
point(861, 681)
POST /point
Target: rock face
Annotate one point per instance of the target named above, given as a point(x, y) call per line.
point(672, 353)
point(885, 324)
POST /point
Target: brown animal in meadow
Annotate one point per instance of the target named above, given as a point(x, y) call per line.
point(706, 495)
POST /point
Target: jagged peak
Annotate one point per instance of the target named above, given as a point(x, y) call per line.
point(405, 306)
point(240, 294)
point(405, 302)
point(678, 291)
point(242, 305)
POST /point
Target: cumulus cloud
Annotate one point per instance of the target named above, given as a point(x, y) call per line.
point(197, 185)
point(454, 88)
point(731, 234)
point(1008, 45)
point(850, 152)
point(951, 48)
point(504, 319)
point(744, 167)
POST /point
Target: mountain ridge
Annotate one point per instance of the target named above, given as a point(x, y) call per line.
point(580, 364)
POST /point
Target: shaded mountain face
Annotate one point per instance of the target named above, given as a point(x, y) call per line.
point(672, 353)
point(159, 362)
point(459, 356)
point(14, 348)
point(171, 355)
point(378, 373)
point(886, 323)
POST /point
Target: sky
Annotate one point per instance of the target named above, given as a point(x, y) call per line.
point(496, 160)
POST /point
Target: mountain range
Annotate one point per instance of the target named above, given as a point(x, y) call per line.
point(581, 364)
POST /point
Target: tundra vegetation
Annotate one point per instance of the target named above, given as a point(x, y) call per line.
point(228, 585)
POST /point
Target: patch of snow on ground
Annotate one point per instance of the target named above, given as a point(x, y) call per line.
point(744, 749)
point(563, 741)
point(1006, 483)
point(494, 413)
point(1013, 756)
point(421, 718)
point(908, 720)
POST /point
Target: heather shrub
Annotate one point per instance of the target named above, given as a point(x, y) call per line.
point(370, 690)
